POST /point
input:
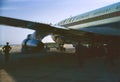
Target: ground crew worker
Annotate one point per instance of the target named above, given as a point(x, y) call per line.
point(111, 53)
point(6, 50)
point(79, 52)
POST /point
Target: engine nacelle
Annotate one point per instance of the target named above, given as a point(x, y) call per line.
point(32, 45)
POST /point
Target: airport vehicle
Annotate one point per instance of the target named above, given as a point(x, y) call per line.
point(100, 26)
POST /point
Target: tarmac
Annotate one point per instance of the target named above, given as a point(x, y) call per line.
point(54, 66)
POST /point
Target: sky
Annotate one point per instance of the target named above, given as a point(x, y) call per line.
point(43, 11)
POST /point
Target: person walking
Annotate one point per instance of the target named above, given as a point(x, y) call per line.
point(6, 51)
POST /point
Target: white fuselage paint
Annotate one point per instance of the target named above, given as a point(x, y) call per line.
point(100, 13)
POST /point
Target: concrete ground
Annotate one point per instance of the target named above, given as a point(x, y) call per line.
point(57, 67)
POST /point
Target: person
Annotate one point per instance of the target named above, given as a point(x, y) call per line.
point(111, 52)
point(6, 50)
point(79, 53)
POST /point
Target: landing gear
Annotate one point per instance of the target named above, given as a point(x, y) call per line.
point(61, 48)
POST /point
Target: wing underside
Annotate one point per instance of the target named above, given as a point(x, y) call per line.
point(37, 26)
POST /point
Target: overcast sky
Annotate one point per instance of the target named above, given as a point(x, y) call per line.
point(45, 11)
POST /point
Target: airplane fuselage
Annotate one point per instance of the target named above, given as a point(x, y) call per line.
point(100, 17)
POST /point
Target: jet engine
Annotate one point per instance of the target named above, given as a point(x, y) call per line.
point(32, 45)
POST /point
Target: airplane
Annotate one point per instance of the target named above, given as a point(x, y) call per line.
point(100, 26)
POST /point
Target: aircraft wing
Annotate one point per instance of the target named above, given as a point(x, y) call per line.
point(31, 25)
point(25, 24)
point(38, 26)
